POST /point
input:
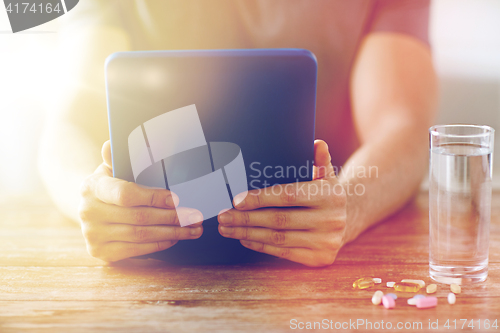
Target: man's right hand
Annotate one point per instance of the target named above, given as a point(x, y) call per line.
point(121, 219)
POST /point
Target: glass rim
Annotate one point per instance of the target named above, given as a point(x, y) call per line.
point(488, 130)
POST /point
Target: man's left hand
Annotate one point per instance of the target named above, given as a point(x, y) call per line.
point(303, 222)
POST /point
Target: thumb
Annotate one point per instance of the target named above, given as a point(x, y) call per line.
point(322, 161)
point(106, 154)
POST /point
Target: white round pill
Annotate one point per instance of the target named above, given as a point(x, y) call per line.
point(377, 280)
point(452, 298)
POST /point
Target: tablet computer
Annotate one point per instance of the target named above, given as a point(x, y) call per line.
point(208, 125)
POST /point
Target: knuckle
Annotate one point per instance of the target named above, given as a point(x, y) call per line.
point(336, 223)
point(86, 186)
point(124, 195)
point(285, 253)
point(84, 212)
point(288, 196)
point(175, 219)
point(278, 237)
point(90, 234)
point(245, 218)
point(176, 233)
point(139, 234)
point(154, 198)
point(341, 223)
point(245, 234)
point(96, 251)
point(331, 244)
point(257, 200)
point(141, 216)
point(280, 219)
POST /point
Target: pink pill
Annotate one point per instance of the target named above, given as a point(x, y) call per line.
point(427, 302)
point(388, 302)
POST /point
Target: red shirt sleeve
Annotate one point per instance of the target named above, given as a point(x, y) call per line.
point(409, 17)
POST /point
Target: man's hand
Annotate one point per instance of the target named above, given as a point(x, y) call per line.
point(121, 219)
point(303, 222)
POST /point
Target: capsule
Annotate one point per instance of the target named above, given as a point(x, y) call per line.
point(413, 300)
point(407, 287)
point(427, 302)
point(390, 284)
point(452, 298)
point(377, 297)
point(420, 282)
point(388, 302)
point(455, 288)
point(431, 289)
point(363, 283)
point(377, 280)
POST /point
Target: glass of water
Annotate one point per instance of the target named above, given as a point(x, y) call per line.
point(459, 202)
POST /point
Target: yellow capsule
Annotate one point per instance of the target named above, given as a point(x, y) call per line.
point(363, 283)
point(407, 287)
point(420, 282)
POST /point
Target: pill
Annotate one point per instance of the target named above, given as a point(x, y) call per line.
point(377, 297)
point(407, 287)
point(388, 302)
point(427, 302)
point(420, 282)
point(455, 288)
point(363, 283)
point(413, 300)
point(452, 298)
point(376, 300)
point(394, 296)
point(390, 284)
point(377, 280)
point(431, 289)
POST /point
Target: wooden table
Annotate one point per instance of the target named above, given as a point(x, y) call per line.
point(49, 283)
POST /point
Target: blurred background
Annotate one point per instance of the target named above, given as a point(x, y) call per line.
point(465, 35)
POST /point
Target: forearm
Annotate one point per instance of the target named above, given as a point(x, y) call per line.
point(382, 175)
point(394, 99)
point(77, 126)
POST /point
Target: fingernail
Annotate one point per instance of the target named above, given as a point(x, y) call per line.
point(226, 230)
point(226, 218)
point(172, 200)
point(195, 218)
point(239, 200)
point(195, 231)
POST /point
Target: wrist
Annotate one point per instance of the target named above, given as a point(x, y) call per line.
point(351, 214)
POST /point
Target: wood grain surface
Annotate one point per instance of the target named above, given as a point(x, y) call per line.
point(50, 284)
